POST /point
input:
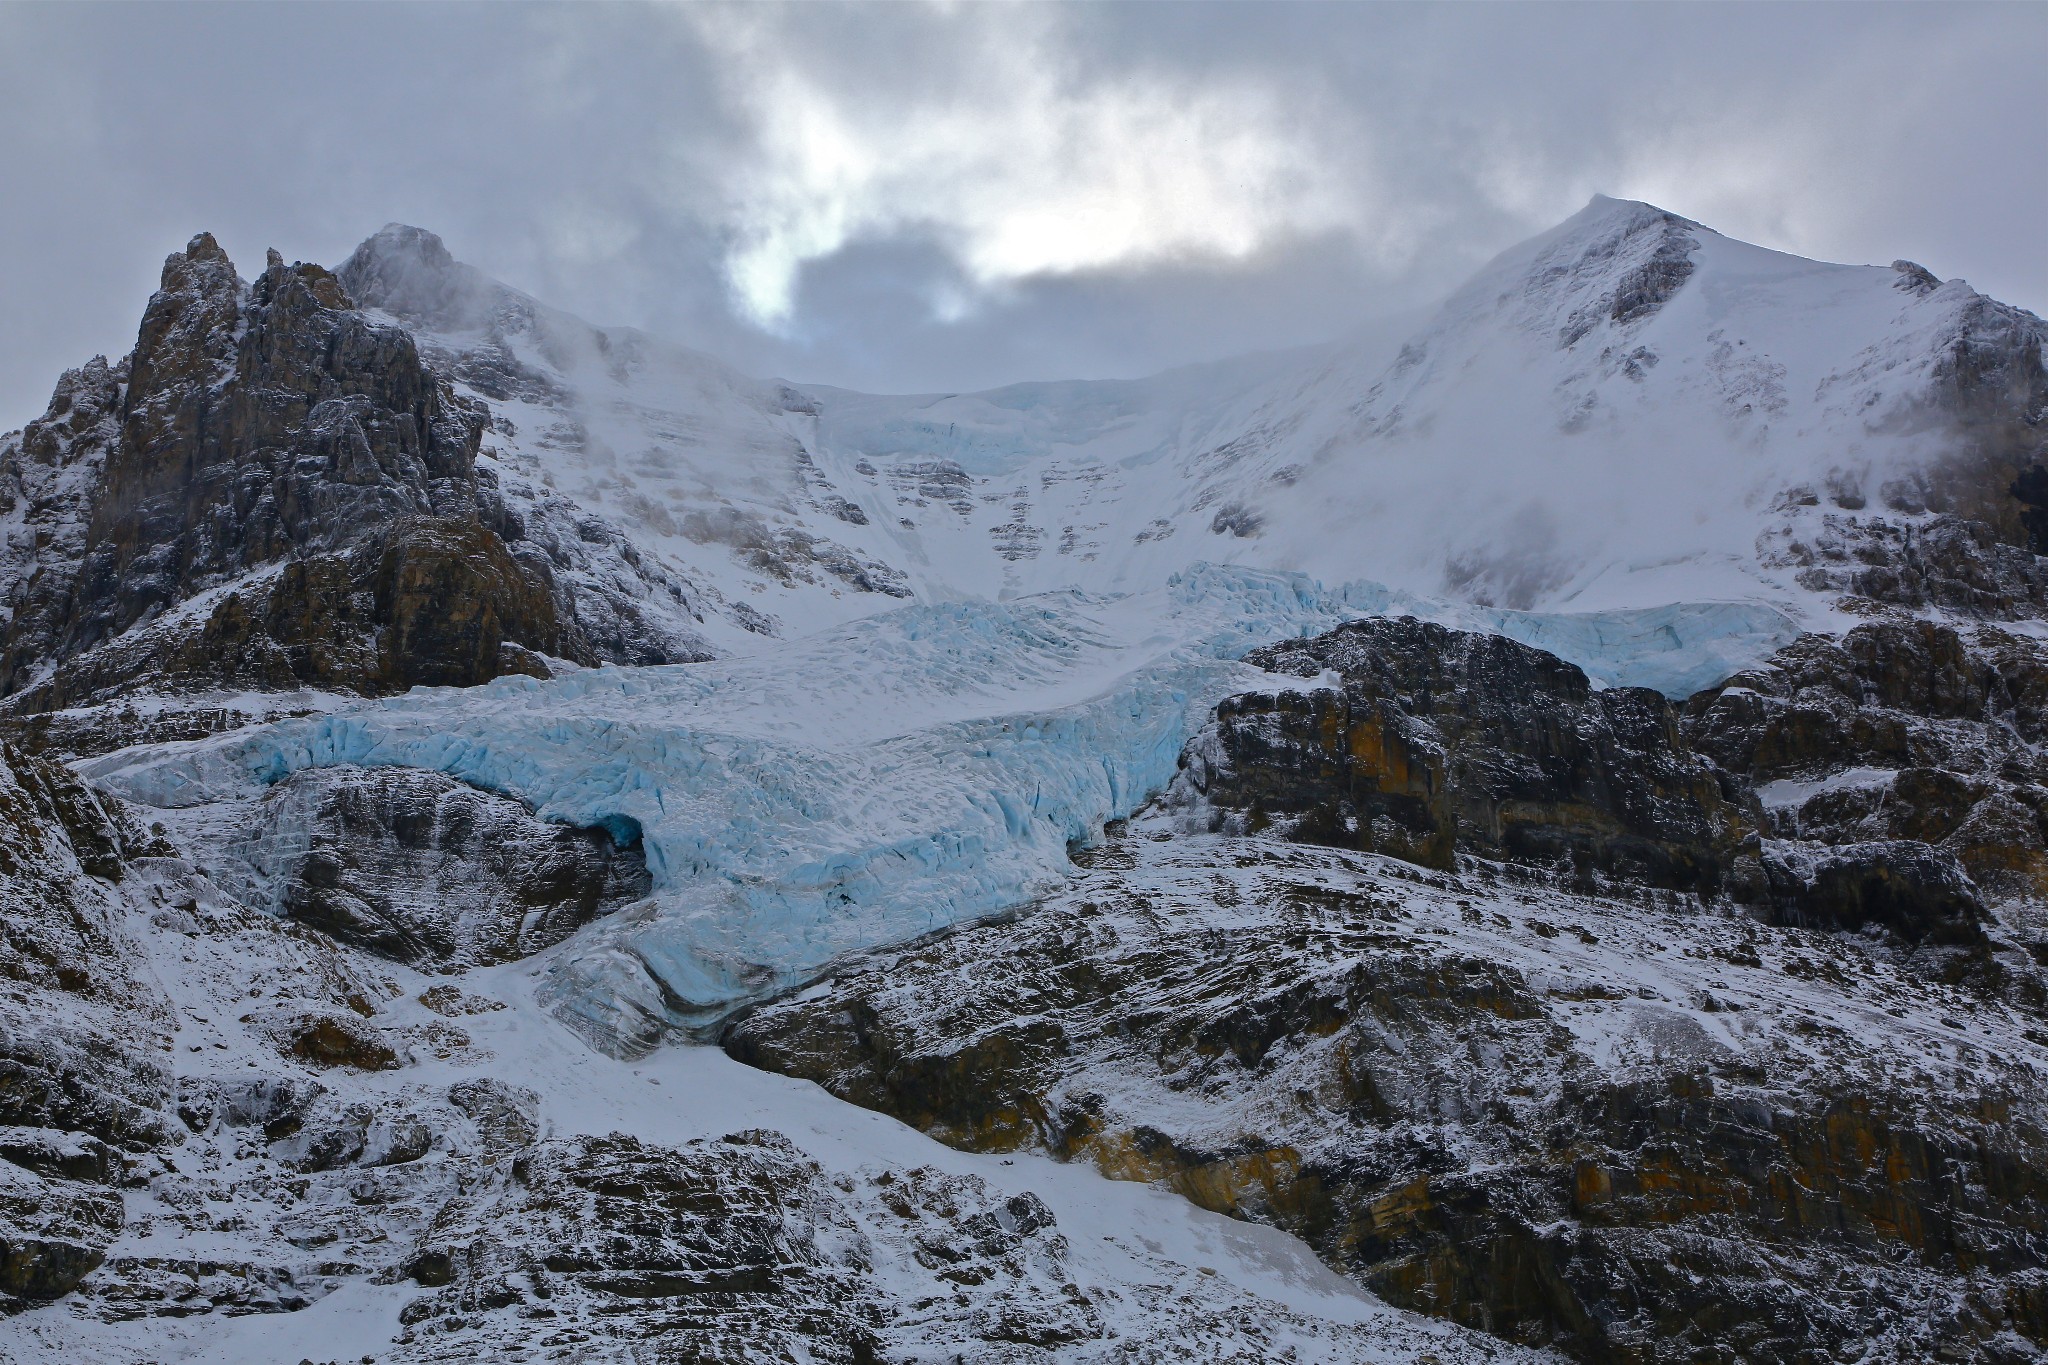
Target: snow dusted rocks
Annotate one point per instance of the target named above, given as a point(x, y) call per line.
point(1903, 754)
point(423, 870)
point(1425, 743)
point(319, 578)
point(503, 1193)
point(82, 1066)
point(1629, 1126)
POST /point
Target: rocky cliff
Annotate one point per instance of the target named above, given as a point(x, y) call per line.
point(1465, 1081)
point(1633, 1129)
point(272, 492)
point(1435, 742)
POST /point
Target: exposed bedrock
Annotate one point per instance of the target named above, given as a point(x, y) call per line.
point(1887, 781)
point(1636, 1133)
point(273, 491)
point(420, 868)
point(735, 1249)
point(1991, 382)
point(1945, 562)
point(1892, 748)
point(1424, 743)
point(83, 1070)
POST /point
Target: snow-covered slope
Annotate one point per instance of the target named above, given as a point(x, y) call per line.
point(1606, 416)
point(941, 645)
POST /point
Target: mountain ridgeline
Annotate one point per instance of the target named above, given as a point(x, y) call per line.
point(1548, 811)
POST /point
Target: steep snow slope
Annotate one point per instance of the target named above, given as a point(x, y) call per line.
point(871, 783)
point(1607, 416)
point(686, 467)
point(1611, 413)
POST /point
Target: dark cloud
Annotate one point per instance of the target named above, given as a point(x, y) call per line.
point(948, 198)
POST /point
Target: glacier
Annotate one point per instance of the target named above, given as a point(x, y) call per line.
point(881, 780)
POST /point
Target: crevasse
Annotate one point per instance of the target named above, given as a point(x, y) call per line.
point(877, 781)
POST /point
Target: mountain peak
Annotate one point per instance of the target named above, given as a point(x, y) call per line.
point(407, 271)
point(404, 241)
point(1603, 208)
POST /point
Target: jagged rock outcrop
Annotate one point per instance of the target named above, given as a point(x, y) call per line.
point(1943, 562)
point(1637, 1132)
point(425, 870)
point(1432, 742)
point(1909, 749)
point(272, 491)
point(1888, 781)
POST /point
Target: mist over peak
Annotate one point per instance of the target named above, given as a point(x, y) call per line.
point(1089, 195)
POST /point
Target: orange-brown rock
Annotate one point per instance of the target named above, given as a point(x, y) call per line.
point(271, 492)
point(1634, 1129)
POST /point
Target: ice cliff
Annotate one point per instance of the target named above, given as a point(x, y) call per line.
point(911, 771)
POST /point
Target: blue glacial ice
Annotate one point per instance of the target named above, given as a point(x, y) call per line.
point(878, 781)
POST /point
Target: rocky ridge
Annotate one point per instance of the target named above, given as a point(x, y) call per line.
point(273, 492)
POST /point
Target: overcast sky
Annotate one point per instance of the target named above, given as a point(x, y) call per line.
point(956, 196)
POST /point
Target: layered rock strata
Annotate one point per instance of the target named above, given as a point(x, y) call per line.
point(1633, 1130)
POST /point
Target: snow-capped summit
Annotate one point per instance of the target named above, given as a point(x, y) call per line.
point(1609, 415)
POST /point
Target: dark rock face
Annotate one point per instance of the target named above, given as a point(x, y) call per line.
point(1916, 893)
point(1886, 781)
point(1991, 381)
point(1441, 742)
point(82, 1072)
point(422, 869)
point(2031, 488)
point(725, 1247)
point(270, 452)
point(1637, 1135)
point(1913, 742)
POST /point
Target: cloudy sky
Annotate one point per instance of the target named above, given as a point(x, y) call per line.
point(954, 196)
